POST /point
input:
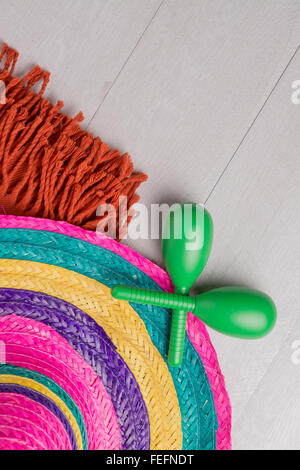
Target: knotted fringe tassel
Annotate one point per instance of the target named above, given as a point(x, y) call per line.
point(49, 166)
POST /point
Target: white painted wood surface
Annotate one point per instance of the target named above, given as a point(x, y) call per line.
point(257, 221)
point(199, 92)
point(83, 43)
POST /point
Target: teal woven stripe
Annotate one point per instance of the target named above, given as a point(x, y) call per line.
point(55, 388)
point(199, 421)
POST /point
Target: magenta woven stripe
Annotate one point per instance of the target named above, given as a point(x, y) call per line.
point(43, 403)
point(195, 328)
point(21, 436)
point(21, 412)
point(7, 443)
point(35, 346)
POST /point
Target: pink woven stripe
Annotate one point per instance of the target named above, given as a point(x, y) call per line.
point(38, 347)
point(29, 411)
point(9, 421)
point(6, 443)
point(21, 442)
point(195, 328)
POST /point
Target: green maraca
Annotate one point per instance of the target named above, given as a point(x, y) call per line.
point(235, 311)
point(186, 244)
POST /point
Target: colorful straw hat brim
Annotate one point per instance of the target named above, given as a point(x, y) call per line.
point(92, 343)
point(124, 327)
point(190, 374)
point(195, 328)
point(197, 414)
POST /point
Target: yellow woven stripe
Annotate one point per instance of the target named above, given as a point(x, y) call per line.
point(30, 383)
point(126, 329)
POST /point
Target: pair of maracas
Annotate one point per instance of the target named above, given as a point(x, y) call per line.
point(186, 245)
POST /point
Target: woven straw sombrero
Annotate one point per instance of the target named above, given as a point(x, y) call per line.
point(92, 367)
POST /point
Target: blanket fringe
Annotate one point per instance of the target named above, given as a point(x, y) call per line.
point(49, 166)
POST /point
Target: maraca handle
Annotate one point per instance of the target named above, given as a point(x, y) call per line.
point(177, 337)
point(152, 297)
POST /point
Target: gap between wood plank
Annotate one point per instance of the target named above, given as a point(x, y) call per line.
point(252, 124)
point(125, 63)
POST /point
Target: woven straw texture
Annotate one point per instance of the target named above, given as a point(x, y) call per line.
point(40, 404)
point(196, 329)
point(37, 347)
point(183, 397)
point(35, 420)
point(92, 343)
point(124, 327)
point(40, 383)
point(194, 381)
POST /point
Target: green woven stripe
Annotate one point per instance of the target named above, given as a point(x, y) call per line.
point(55, 388)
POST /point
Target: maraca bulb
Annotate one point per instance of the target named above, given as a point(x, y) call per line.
point(237, 311)
point(186, 243)
point(187, 240)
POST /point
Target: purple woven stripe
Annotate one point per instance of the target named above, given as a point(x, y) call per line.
point(45, 401)
point(93, 344)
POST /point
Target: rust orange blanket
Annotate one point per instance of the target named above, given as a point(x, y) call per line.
point(49, 166)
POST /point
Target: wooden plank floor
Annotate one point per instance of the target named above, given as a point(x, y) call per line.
point(199, 92)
